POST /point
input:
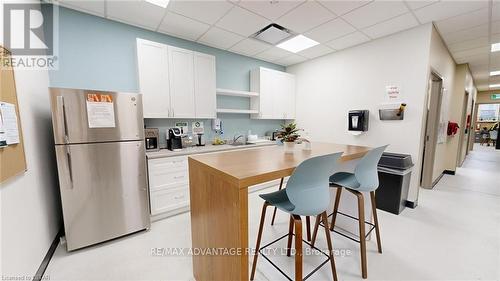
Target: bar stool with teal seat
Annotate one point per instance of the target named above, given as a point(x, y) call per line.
point(364, 179)
point(306, 194)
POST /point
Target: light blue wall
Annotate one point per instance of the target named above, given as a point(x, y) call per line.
point(95, 53)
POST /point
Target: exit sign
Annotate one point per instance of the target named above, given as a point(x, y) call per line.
point(495, 96)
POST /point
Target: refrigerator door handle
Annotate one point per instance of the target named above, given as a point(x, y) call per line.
point(70, 166)
point(61, 118)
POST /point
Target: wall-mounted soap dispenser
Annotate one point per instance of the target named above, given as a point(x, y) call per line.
point(358, 120)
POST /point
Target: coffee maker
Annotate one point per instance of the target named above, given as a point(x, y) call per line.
point(152, 136)
point(174, 139)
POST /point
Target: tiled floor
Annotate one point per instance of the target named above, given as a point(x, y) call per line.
point(453, 234)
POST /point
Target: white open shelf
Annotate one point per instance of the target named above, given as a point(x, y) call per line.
point(237, 111)
point(236, 93)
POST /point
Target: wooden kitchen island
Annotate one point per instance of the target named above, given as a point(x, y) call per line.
point(219, 201)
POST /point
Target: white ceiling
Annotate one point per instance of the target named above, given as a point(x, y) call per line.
point(467, 27)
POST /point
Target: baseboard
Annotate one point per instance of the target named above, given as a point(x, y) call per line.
point(437, 180)
point(449, 172)
point(411, 204)
point(45, 262)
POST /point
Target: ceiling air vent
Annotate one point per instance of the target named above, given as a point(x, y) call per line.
point(273, 34)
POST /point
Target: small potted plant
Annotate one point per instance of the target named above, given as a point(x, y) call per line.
point(288, 135)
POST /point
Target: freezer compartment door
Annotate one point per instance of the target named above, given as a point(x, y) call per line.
point(104, 191)
point(83, 116)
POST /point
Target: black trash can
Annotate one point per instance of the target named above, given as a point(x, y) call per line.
point(394, 173)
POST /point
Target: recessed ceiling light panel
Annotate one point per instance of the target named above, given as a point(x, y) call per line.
point(273, 34)
point(160, 3)
point(495, 47)
point(495, 86)
point(495, 73)
point(297, 44)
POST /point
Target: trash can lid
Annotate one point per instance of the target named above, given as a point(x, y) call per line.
point(395, 161)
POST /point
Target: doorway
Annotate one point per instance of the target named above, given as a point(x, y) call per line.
point(464, 134)
point(434, 99)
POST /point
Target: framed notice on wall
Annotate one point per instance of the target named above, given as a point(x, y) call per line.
point(12, 157)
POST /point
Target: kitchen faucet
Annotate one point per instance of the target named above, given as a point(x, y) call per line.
point(236, 137)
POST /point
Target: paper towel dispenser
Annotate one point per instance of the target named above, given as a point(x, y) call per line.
point(358, 120)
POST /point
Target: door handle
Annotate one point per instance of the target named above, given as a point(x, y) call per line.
point(61, 118)
point(70, 166)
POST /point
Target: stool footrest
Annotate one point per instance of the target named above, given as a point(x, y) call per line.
point(354, 218)
point(281, 271)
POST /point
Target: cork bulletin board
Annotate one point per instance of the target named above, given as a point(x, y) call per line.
point(12, 157)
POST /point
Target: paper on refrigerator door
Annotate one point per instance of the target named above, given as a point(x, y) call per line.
point(100, 111)
point(9, 131)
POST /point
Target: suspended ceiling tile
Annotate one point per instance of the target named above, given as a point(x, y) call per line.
point(138, 13)
point(205, 11)
point(464, 21)
point(375, 12)
point(316, 51)
point(305, 17)
point(220, 38)
point(95, 7)
point(347, 41)
point(270, 9)
point(331, 30)
point(249, 47)
point(182, 26)
point(391, 26)
point(290, 60)
point(342, 7)
point(242, 22)
point(446, 9)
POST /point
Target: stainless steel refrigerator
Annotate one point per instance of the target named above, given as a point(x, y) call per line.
point(101, 161)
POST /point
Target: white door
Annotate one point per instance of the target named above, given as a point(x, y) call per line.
point(204, 86)
point(181, 82)
point(152, 63)
point(267, 89)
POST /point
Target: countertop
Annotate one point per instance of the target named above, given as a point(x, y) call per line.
point(203, 149)
point(255, 166)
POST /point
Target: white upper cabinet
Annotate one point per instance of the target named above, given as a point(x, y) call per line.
point(152, 62)
point(276, 90)
point(204, 86)
point(260, 82)
point(175, 82)
point(181, 68)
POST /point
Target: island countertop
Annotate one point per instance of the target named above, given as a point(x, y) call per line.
point(260, 164)
point(218, 184)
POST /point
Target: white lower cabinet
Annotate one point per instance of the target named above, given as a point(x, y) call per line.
point(170, 199)
point(168, 186)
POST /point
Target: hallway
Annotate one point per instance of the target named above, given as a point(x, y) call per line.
point(453, 234)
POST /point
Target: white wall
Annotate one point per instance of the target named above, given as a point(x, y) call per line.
point(456, 81)
point(30, 205)
point(330, 86)
point(443, 64)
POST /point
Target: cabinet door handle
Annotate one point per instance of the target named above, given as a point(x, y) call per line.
point(178, 177)
point(179, 197)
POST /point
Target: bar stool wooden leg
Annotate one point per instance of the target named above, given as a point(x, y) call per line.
point(335, 207)
point(315, 232)
point(259, 236)
point(362, 238)
point(375, 220)
point(308, 228)
point(298, 248)
point(274, 212)
point(290, 236)
point(329, 242)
